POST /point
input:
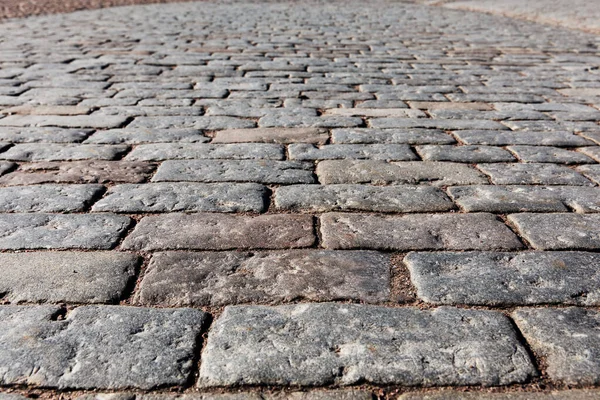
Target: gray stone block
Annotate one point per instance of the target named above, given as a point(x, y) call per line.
point(533, 174)
point(46, 135)
point(60, 231)
point(48, 198)
point(445, 124)
point(546, 154)
point(465, 154)
point(592, 172)
point(272, 135)
point(205, 122)
point(174, 151)
point(61, 152)
point(383, 136)
point(95, 121)
point(137, 136)
point(178, 196)
point(504, 138)
point(222, 278)
point(317, 344)
point(73, 277)
point(572, 394)
point(493, 279)
point(416, 232)
point(308, 152)
point(221, 232)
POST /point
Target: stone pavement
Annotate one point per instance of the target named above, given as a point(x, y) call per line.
point(312, 200)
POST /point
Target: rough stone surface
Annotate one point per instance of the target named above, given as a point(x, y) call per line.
point(381, 172)
point(545, 154)
point(465, 154)
point(321, 198)
point(492, 278)
point(221, 278)
point(59, 231)
point(533, 174)
point(137, 136)
point(61, 152)
point(75, 277)
point(504, 138)
point(346, 344)
point(592, 172)
point(48, 198)
point(567, 339)
point(221, 232)
point(107, 347)
point(416, 232)
point(572, 394)
point(174, 151)
point(559, 231)
point(170, 197)
point(307, 152)
point(390, 136)
point(272, 135)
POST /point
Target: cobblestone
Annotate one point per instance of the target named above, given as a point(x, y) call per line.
point(395, 152)
point(272, 135)
point(171, 151)
point(533, 174)
point(465, 154)
point(48, 198)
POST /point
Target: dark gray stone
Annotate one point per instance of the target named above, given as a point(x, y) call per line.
point(174, 151)
point(533, 174)
point(465, 154)
point(308, 152)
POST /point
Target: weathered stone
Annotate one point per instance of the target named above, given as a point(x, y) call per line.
point(175, 122)
point(321, 198)
point(559, 231)
point(60, 231)
point(593, 152)
point(511, 199)
point(6, 166)
point(168, 197)
point(222, 278)
point(567, 339)
point(446, 124)
point(493, 279)
point(221, 232)
point(416, 232)
point(408, 136)
point(80, 277)
point(465, 154)
point(79, 172)
point(98, 347)
point(95, 121)
point(136, 136)
point(544, 154)
point(46, 135)
point(376, 112)
point(503, 138)
point(591, 172)
point(572, 394)
point(307, 121)
point(61, 152)
point(375, 171)
point(317, 344)
point(533, 174)
point(272, 135)
point(309, 395)
point(307, 152)
point(48, 198)
point(47, 110)
point(174, 151)
point(261, 171)
point(447, 105)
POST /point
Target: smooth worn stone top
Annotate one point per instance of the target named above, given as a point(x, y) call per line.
point(62, 152)
point(272, 135)
point(105, 347)
point(388, 136)
point(317, 344)
point(174, 151)
point(570, 394)
point(48, 198)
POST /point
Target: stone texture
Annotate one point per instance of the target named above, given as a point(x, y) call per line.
point(567, 339)
point(78, 121)
point(504, 138)
point(193, 122)
point(75, 277)
point(137, 136)
point(465, 154)
point(572, 394)
point(169, 197)
point(59, 231)
point(272, 135)
point(106, 347)
point(416, 232)
point(559, 231)
point(61, 152)
point(518, 198)
point(446, 124)
point(592, 172)
point(493, 279)
point(321, 198)
point(545, 154)
point(381, 172)
point(48, 198)
point(308, 152)
point(316, 344)
point(78, 172)
point(174, 151)
point(533, 174)
point(46, 135)
point(222, 278)
point(221, 232)
point(261, 171)
point(390, 136)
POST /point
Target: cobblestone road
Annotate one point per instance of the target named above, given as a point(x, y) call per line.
point(253, 201)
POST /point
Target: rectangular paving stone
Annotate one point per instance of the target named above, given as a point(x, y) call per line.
point(61, 231)
point(61, 152)
point(517, 198)
point(533, 174)
point(78, 172)
point(47, 110)
point(96, 121)
point(416, 232)
point(195, 122)
point(448, 105)
point(261, 171)
point(307, 152)
point(45, 135)
point(307, 121)
point(72, 277)
point(98, 347)
point(48, 198)
point(592, 172)
point(465, 154)
point(504, 138)
point(236, 151)
point(381, 172)
point(559, 231)
point(494, 279)
point(169, 197)
point(546, 154)
point(322, 198)
point(567, 339)
point(223, 278)
point(221, 232)
point(272, 135)
point(383, 136)
point(446, 124)
point(137, 136)
point(344, 344)
point(376, 112)
point(570, 394)
point(593, 152)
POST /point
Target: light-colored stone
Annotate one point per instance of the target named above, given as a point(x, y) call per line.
point(175, 151)
point(61, 152)
point(309, 152)
point(272, 135)
point(533, 174)
point(48, 198)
